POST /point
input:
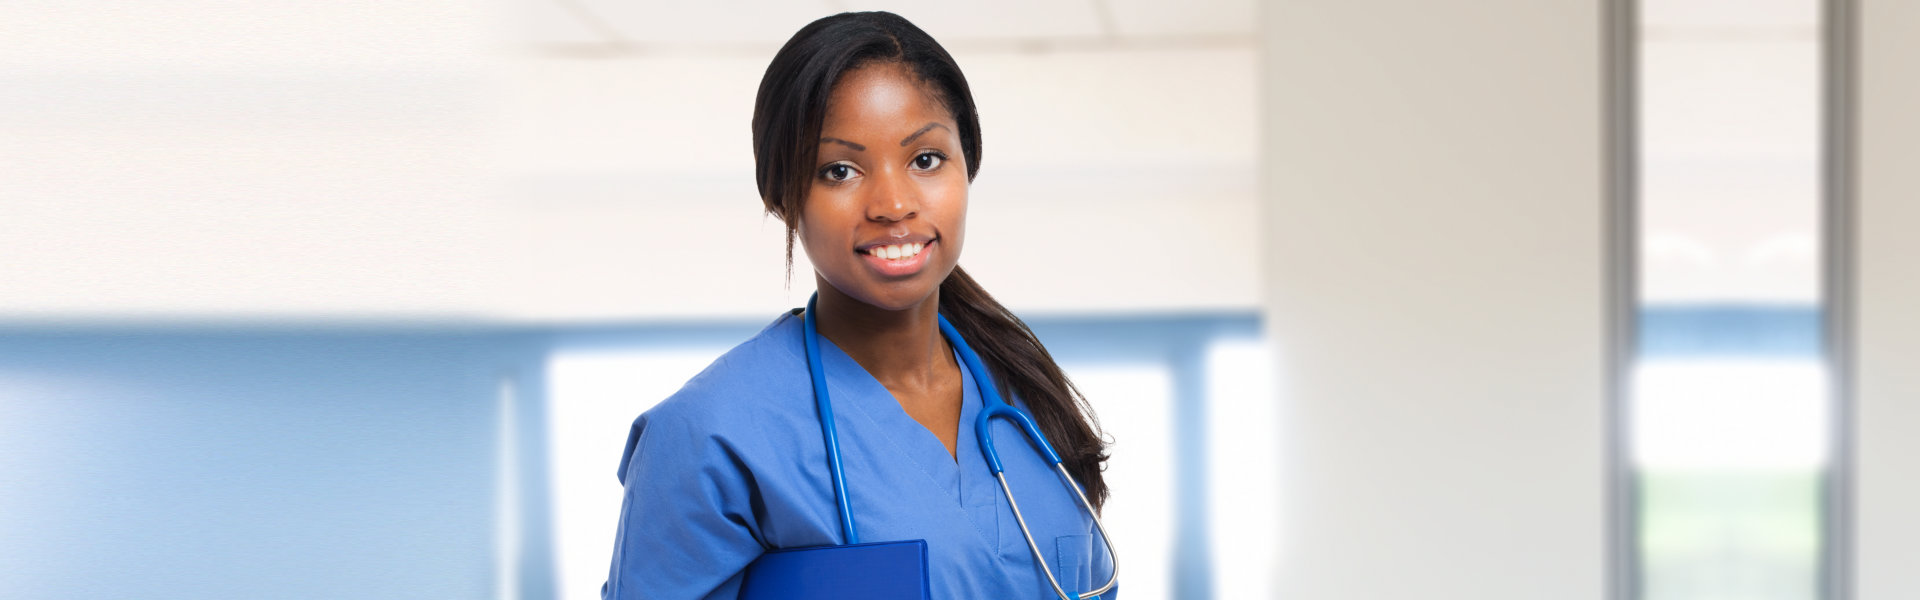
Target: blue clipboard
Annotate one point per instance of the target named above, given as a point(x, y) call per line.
point(874, 571)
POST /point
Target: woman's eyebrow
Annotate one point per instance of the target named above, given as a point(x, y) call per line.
point(922, 130)
point(855, 147)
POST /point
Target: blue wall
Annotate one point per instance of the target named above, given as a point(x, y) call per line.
point(244, 463)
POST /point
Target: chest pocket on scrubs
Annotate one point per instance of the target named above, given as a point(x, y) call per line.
point(1073, 562)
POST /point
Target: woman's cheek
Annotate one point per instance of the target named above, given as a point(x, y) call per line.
point(956, 210)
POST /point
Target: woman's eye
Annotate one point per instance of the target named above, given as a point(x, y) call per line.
point(928, 161)
point(837, 172)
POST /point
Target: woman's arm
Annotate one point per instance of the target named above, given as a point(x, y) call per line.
point(687, 528)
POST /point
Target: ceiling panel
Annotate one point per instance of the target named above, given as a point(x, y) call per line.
point(1155, 18)
point(220, 34)
point(997, 19)
point(552, 22)
point(762, 22)
point(712, 22)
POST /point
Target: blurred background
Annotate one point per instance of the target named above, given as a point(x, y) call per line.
point(1494, 299)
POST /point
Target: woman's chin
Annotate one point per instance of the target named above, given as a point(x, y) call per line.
point(891, 296)
point(898, 300)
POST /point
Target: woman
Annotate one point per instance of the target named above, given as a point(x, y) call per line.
point(866, 139)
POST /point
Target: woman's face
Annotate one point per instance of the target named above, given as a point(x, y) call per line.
point(886, 212)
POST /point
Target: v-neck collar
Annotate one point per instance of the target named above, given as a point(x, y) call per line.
point(961, 474)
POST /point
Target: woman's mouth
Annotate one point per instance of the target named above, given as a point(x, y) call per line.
point(898, 260)
point(896, 251)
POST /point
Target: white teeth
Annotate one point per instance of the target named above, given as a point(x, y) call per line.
point(897, 251)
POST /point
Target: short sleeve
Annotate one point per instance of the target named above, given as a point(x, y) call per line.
point(687, 528)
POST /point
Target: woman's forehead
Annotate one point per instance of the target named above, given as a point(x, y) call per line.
point(882, 98)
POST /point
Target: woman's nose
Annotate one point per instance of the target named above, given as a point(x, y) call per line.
point(896, 198)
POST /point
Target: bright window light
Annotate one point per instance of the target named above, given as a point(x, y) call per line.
point(593, 396)
point(1243, 455)
point(1135, 405)
point(1730, 414)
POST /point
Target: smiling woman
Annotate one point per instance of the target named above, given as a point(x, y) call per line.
point(884, 222)
point(866, 141)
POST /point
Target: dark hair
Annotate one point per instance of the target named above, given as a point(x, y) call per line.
point(787, 116)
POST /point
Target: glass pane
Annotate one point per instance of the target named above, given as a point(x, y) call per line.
point(593, 393)
point(1728, 396)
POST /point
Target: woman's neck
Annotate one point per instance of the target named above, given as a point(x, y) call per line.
point(903, 349)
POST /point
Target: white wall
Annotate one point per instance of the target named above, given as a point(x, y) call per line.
point(219, 158)
point(1112, 180)
point(523, 161)
point(1434, 195)
point(1887, 401)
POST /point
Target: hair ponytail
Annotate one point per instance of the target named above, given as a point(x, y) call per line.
point(1022, 367)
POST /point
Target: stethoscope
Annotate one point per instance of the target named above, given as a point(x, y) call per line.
point(994, 408)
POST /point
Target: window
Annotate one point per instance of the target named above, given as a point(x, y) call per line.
point(1728, 402)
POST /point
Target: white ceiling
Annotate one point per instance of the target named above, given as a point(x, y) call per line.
point(724, 24)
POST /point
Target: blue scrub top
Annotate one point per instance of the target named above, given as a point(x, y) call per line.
point(734, 464)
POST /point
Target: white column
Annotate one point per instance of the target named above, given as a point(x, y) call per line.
point(1434, 188)
point(1887, 303)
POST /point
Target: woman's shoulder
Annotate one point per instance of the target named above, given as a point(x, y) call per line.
point(761, 375)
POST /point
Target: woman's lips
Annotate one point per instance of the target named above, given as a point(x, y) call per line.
point(898, 260)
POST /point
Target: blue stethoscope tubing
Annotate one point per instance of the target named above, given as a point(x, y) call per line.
point(995, 407)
